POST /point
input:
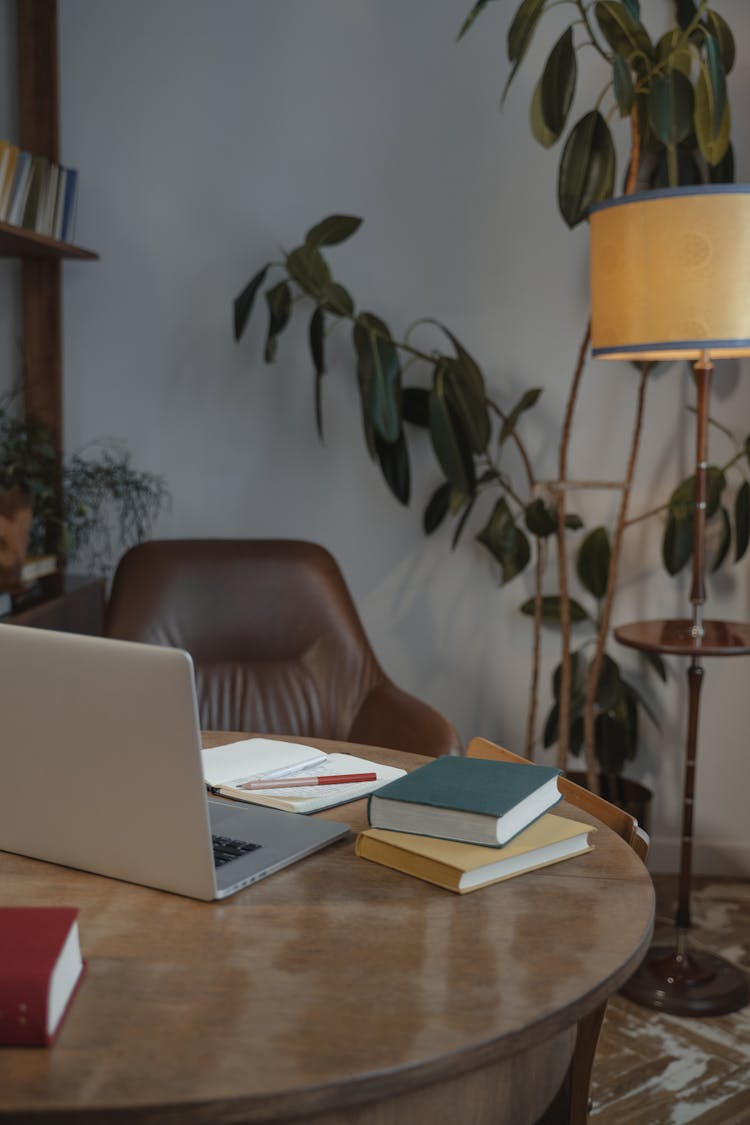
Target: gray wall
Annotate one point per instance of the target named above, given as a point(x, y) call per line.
point(209, 135)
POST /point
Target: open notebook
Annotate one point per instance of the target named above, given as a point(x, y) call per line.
point(227, 768)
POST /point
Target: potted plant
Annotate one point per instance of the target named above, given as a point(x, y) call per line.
point(671, 93)
point(85, 508)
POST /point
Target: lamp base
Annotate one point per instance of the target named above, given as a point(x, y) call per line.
point(693, 983)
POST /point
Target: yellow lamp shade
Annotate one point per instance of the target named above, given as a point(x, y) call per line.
point(670, 274)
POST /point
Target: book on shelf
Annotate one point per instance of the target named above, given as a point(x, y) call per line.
point(227, 768)
point(8, 163)
point(57, 215)
point(69, 205)
point(20, 189)
point(37, 179)
point(40, 968)
point(466, 799)
point(461, 867)
point(45, 213)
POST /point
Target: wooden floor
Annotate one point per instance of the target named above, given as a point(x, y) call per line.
point(654, 1069)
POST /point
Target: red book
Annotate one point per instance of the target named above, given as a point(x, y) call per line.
point(40, 968)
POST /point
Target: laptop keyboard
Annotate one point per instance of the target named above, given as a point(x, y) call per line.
point(226, 849)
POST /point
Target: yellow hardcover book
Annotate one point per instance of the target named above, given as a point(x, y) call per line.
point(466, 867)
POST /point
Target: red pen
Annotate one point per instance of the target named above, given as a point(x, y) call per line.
point(290, 782)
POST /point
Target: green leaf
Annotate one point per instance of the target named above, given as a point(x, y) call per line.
point(279, 300)
point(677, 545)
point(623, 85)
point(559, 83)
point(722, 33)
point(724, 541)
point(415, 406)
point(634, 8)
point(307, 266)
point(540, 520)
point(539, 130)
point(723, 172)
point(437, 508)
point(551, 609)
point(616, 742)
point(520, 34)
point(713, 145)
point(379, 373)
point(331, 231)
point(587, 168)
point(673, 53)
point(335, 299)
point(448, 439)
point(579, 670)
point(682, 500)
point(625, 35)
point(461, 523)
point(466, 396)
point(528, 399)
point(609, 689)
point(394, 463)
point(592, 563)
point(717, 83)
point(505, 541)
point(317, 336)
point(243, 305)
point(471, 17)
point(670, 106)
point(742, 520)
point(686, 13)
point(573, 522)
point(655, 661)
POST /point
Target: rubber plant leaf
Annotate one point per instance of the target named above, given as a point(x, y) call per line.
point(317, 350)
point(332, 230)
point(742, 520)
point(578, 676)
point(415, 406)
point(243, 305)
point(466, 396)
point(677, 544)
point(335, 299)
point(624, 34)
point(722, 33)
point(623, 85)
point(670, 107)
point(437, 508)
point(713, 145)
point(279, 300)
point(686, 13)
point(394, 464)
point(551, 609)
point(713, 68)
point(587, 168)
point(480, 4)
point(674, 53)
point(379, 373)
point(539, 130)
point(592, 563)
point(528, 399)
point(448, 439)
point(520, 34)
point(655, 661)
point(559, 83)
point(307, 266)
point(505, 541)
point(634, 8)
point(610, 688)
point(725, 539)
point(540, 520)
point(461, 522)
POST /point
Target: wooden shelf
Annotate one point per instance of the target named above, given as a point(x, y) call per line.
point(675, 638)
point(17, 242)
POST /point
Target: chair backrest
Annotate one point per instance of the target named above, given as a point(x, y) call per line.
point(621, 822)
point(277, 643)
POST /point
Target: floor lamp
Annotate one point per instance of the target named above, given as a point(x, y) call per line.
point(670, 279)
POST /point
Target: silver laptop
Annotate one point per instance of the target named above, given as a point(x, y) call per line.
point(100, 769)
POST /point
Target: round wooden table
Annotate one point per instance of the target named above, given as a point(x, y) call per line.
point(335, 991)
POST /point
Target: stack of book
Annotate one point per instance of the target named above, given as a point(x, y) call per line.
point(36, 193)
point(463, 823)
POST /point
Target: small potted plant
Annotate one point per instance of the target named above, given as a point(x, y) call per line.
point(86, 507)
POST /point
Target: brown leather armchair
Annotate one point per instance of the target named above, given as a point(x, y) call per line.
point(276, 640)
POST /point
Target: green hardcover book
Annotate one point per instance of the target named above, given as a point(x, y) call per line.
point(468, 799)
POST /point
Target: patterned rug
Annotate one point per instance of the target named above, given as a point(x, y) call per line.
point(654, 1069)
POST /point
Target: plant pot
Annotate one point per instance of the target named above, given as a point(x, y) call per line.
point(627, 794)
point(15, 528)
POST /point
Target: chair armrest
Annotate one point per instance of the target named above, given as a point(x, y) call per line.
point(391, 717)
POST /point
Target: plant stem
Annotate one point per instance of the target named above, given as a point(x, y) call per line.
point(563, 731)
point(592, 682)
